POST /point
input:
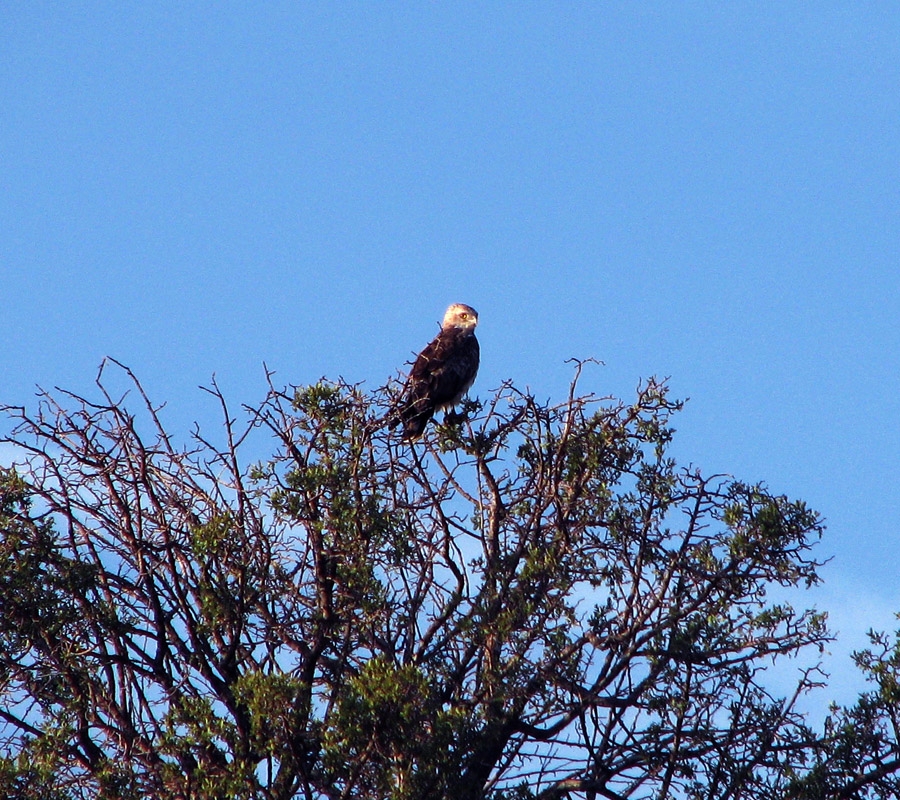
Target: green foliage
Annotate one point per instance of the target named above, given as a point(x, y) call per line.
point(390, 736)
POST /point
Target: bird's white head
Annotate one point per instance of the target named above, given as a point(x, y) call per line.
point(460, 316)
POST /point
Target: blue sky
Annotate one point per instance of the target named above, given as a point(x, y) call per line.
point(707, 191)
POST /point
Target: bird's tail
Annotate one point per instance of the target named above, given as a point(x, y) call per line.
point(414, 427)
point(414, 416)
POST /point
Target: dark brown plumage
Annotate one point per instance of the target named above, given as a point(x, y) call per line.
point(442, 373)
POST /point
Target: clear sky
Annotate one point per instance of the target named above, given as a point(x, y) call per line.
point(707, 191)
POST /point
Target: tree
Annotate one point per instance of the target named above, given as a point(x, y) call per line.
point(859, 754)
point(535, 601)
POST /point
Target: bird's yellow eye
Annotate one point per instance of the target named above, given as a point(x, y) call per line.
point(463, 316)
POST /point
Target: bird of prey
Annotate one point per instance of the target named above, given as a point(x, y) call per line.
point(442, 372)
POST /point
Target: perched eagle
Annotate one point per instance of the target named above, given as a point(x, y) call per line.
point(442, 373)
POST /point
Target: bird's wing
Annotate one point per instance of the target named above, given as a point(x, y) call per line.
point(444, 369)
